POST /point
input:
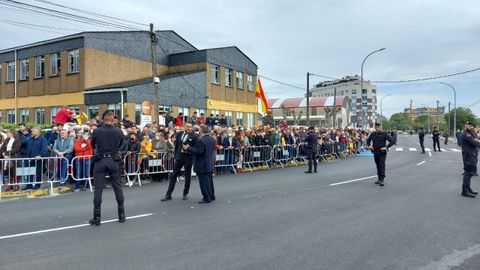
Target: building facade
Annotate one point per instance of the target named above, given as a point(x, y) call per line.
point(323, 110)
point(363, 101)
point(95, 71)
point(432, 113)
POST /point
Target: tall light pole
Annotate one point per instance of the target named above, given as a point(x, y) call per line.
point(381, 109)
point(361, 83)
point(454, 107)
point(308, 99)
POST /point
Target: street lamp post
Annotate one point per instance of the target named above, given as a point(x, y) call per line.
point(454, 107)
point(381, 109)
point(361, 83)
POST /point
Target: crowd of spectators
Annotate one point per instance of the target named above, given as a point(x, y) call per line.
point(70, 141)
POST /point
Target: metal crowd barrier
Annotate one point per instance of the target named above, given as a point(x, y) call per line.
point(302, 152)
point(254, 156)
point(82, 170)
point(284, 154)
point(16, 173)
point(226, 158)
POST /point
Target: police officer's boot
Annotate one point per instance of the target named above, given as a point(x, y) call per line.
point(382, 183)
point(95, 221)
point(121, 214)
point(315, 169)
point(466, 186)
point(473, 192)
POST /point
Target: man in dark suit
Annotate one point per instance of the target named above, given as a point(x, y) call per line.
point(311, 147)
point(203, 163)
point(182, 159)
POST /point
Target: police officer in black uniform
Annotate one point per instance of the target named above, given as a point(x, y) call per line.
point(182, 159)
point(421, 138)
point(377, 142)
point(311, 142)
point(436, 139)
point(470, 144)
point(108, 142)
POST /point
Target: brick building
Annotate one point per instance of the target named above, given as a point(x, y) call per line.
point(94, 71)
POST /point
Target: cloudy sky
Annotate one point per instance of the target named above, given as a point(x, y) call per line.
point(286, 39)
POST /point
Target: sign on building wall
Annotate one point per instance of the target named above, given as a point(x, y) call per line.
point(146, 114)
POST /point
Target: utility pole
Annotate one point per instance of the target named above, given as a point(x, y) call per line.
point(449, 116)
point(335, 107)
point(155, 79)
point(438, 127)
point(308, 98)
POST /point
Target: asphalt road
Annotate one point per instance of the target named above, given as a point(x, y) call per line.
point(278, 219)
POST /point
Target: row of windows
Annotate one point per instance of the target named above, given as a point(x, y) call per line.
point(215, 74)
point(345, 92)
point(73, 62)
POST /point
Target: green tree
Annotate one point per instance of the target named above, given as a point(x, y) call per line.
point(399, 121)
point(386, 125)
point(463, 115)
point(421, 121)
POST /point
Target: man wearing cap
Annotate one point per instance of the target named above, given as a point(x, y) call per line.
point(470, 144)
point(311, 149)
point(107, 141)
point(377, 142)
point(436, 139)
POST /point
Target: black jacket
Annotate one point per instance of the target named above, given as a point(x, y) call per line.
point(203, 152)
point(380, 140)
point(190, 139)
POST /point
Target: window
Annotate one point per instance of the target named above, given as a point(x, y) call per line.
point(138, 113)
point(364, 91)
point(228, 117)
point(215, 74)
point(250, 82)
point(24, 115)
point(239, 118)
point(53, 112)
point(24, 69)
point(186, 113)
point(1, 116)
point(11, 116)
point(215, 112)
point(250, 121)
point(228, 77)
point(313, 111)
point(165, 109)
point(200, 111)
point(73, 61)
point(75, 110)
point(39, 66)
point(374, 91)
point(0, 73)
point(364, 105)
point(39, 116)
point(116, 108)
point(239, 80)
point(55, 64)
point(92, 110)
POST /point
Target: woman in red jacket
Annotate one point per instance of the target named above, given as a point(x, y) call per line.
point(83, 153)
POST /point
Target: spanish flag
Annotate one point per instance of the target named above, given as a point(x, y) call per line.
point(261, 96)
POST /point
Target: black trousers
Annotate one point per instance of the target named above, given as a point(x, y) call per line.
point(380, 157)
point(312, 159)
point(436, 143)
point(104, 167)
point(206, 186)
point(187, 163)
point(470, 168)
point(422, 145)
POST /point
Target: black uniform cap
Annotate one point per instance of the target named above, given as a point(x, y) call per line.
point(470, 123)
point(107, 112)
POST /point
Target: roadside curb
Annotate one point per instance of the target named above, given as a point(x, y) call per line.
point(35, 193)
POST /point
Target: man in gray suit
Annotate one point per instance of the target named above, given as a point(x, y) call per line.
point(203, 164)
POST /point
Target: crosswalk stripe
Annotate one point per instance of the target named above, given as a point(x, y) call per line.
point(455, 150)
point(412, 149)
point(399, 149)
point(428, 149)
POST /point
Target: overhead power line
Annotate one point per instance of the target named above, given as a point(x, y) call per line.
point(91, 13)
point(430, 78)
point(38, 25)
point(280, 82)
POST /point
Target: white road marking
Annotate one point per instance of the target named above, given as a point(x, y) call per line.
point(66, 228)
point(456, 258)
point(354, 180)
point(430, 154)
point(411, 149)
point(428, 149)
point(421, 163)
point(455, 150)
point(399, 149)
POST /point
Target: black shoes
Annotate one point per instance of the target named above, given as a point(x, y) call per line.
point(468, 194)
point(377, 182)
point(95, 221)
point(315, 171)
point(121, 215)
point(185, 197)
point(167, 198)
point(380, 182)
point(203, 201)
point(473, 192)
point(308, 171)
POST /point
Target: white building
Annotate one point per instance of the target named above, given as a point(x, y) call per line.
point(364, 103)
